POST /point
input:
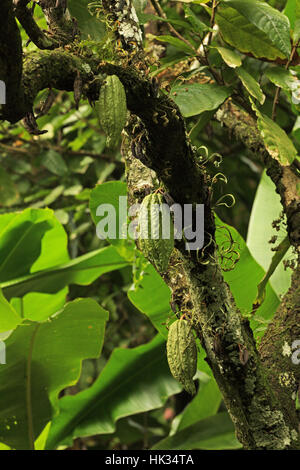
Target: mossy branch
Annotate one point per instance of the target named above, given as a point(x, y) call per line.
point(285, 178)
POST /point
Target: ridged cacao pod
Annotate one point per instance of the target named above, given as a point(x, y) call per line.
point(156, 231)
point(111, 109)
point(182, 354)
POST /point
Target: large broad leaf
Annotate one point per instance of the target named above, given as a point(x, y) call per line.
point(42, 359)
point(267, 208)
point(82, 271)
point(269, 20)
point(133, 381)
point(240, 33)
point(213, 433)
point(276, 141)
point(196, 98)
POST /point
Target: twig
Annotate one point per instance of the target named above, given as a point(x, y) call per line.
point(212, 21)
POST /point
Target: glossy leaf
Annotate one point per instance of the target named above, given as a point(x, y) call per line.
point(276, 141)
point(240, 33)
point(282, 78)
point(230, 57)
point(42, 359)
point(251, 85)
point(21, 235)
point(245, 276)
point(269, 20)
point(9, 317)
point(195, 98)
point(292, 11)
point(82, 271)
point(133, 381)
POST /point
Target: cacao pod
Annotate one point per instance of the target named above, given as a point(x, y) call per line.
point(156, 231)
point(111, 109)
point(182, 354)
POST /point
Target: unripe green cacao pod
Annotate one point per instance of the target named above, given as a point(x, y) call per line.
point(111, 109)
point(182, 354)
point(156, 231)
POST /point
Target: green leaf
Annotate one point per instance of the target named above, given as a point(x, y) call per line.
point(8, 191)
point(53, 195)
point(139, 5)
point(133, 381)
point(54, 249)
point(196, 98)
point(240, 33)
point(282, 248)
point(42, 359)
point(145, 17)
point(244, 276)
point(89, 25)
point(251, 85)
point(292, 11)
point(276, 141)
point(231, 58)
point(111, 199)
point(82, 270)
point(296, 32)
point(213, 433)
point(269, 20)
point(152, 297)
point(54, 162)
point(282, 78)
point(206, 403)
point(178, 43)
point(20, 239)
point(197, 25)
point(38, 307)
point(9, 318)
point(267, 208)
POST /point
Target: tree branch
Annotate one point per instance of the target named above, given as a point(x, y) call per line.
point(276, 349)
point(24, 15)
point(285, 178)
point(11, 61)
